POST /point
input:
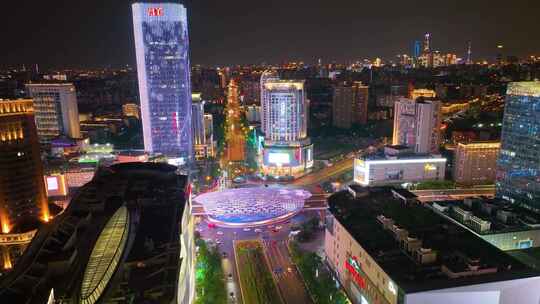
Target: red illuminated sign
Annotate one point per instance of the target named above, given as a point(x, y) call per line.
point(353, 266)
point(155, 11)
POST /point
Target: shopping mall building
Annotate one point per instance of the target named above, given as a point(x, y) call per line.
point(384, 249)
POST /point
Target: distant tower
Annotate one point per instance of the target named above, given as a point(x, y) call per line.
point(469, 53)
point(417, 49)
point(427, 46)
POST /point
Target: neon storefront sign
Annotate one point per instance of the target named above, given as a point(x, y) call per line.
point(353, 267)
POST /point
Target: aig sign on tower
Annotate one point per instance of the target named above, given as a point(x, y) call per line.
point(155, 11)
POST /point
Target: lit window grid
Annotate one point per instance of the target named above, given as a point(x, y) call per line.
point(284, 111)
point(518, 173)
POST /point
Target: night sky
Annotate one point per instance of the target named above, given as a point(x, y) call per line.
point(99, 33)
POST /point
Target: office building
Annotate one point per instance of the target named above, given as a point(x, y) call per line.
point(417, 124)
point(209, 134)
point(350, 105)
point(162, 51)
point(202, 139)
point(22, 188)
point(197, 119)
point(476, 163)
point(518, 171)
point(383, 249)
point(398, 165)
point(287, 150)
point(126, 237)
point(55, 109)
point(130, 110)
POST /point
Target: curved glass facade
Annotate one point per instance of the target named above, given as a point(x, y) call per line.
point(518, 172)
point(105, 256)
point(162, 45)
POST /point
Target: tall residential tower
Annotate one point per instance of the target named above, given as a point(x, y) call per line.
point(350, 105)
point(417, 124)
point(162, 45)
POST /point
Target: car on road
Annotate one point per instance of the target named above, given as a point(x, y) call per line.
point(247, 229)
point(257, 230)
point(211, 225)
point(230, 277)
point(278, 227)
point(224, 254)
point(219, 232)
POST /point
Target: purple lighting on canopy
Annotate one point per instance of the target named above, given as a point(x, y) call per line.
point(252, 206)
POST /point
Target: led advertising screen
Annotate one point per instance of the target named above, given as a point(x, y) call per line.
point(283, 157)
point(278, 158)
point(56, 185)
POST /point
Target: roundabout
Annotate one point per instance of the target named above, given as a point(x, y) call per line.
point(248, 207)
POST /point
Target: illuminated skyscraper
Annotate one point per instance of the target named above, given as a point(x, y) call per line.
point(518, 170)
point(427, 42)
point(22, 188)
point(287, 149)
point(161, 44)
point(469, 53)
point(55, 110)
point(417, 124)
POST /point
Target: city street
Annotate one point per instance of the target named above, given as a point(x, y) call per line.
point(274, 238)
point(317, 177)
point(288, 280)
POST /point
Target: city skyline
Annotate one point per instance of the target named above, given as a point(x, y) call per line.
point(241, 152)
point(306, 32)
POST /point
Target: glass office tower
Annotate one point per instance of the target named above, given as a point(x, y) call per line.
point(518, 171)
point(161, 44)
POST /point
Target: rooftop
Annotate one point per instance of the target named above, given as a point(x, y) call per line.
point(418, 249)
point(503, 215)
point(381, 156)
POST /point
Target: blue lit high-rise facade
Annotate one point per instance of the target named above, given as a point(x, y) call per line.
point(518, 171)
point(162, 49)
